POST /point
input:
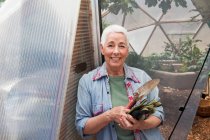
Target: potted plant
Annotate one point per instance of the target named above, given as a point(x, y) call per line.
point(185, 61)
point(179, 63)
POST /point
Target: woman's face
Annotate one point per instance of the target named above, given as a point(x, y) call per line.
point(115, 50)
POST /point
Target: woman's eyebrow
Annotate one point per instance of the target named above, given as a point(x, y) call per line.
point(122, 43)
point(110, 42)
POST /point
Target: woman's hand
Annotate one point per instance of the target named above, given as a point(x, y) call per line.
point(128, 122)
point(118, 113)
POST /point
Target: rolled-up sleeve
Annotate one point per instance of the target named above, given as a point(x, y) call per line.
point(154, 95)
point(83, 106)
point(158, 110)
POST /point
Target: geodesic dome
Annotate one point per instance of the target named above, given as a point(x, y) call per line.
point(149, 27)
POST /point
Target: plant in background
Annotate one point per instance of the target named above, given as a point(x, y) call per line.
point(171, 51)
point(1, 1)
point(185, 52)
point(105, 24)
point(115, 6)
point(128, 5)
point(135, 60)
point(145, 63)
point(190, 54)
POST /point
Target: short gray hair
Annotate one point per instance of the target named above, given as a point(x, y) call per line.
point(113, 29)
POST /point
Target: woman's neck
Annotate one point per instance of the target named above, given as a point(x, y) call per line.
point(115, 72)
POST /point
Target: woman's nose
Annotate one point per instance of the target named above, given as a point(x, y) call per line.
point(116, 49)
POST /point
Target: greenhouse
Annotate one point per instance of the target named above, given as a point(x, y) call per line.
point(170, 40)
point(46, 46)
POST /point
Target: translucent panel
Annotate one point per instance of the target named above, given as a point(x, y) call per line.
point(37, 38)
point(203, 35)
point(181, 28)
point(190, 110)
point(177, 30)
point(139, 37)
point(137, 19)
point(131, 20)
point(176, 37)
point(155, 12)
point(181, 13)
point(113, 19)
point(156, 43)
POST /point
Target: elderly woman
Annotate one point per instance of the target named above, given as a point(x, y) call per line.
point(104, 92)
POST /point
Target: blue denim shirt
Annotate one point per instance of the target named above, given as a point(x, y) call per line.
point(93, 98)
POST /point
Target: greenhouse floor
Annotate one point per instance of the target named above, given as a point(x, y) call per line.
point(200, 129)
point(172, 99)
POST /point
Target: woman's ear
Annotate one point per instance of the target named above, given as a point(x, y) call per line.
point(102, 49)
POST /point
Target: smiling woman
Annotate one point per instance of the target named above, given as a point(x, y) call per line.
point(115, 51)
point(107, 90)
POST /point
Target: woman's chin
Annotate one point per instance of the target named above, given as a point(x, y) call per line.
point(116, 66)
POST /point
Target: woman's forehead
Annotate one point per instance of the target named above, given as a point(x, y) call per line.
point(119, 36)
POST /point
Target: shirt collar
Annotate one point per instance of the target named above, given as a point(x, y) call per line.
point(102, 72)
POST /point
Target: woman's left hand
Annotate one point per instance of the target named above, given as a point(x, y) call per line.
point(128, 122)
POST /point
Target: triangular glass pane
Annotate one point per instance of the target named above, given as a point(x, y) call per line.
point(181, 13)
point(156, 43)
point(138, 38)
point(111, 18)
point(203, 35)
point(155, 12)
point(180, 30)
point(137, 19)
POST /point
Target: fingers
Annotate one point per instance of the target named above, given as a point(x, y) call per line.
point(131, 119)
point(118, 112)
point(125, 123)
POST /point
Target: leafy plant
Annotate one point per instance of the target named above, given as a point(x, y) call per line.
point(127, 6)
point(104, 24)
point(138, 61)
point(185, 52)
point(115, 6)
point(144, 63)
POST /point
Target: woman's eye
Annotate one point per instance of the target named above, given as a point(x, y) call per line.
point(122, 46)
point(110, 46)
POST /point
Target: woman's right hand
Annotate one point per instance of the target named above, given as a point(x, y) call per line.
point(117, 113)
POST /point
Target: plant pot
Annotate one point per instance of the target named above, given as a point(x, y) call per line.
point(183, 80)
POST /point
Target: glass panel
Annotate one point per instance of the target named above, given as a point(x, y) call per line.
point(203, 35)
point(139, 37)
point(181, 13)
point(112, 19)
point(157, 40)
point(185, 123)
point(1, 2)
point(137, 19)
point(180, 30)
point(131, 20)
point(155, 12)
